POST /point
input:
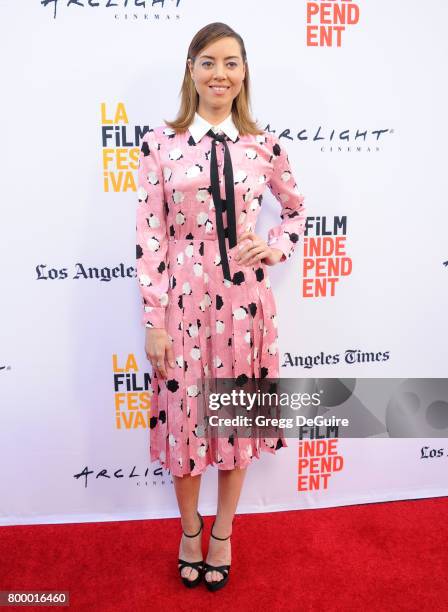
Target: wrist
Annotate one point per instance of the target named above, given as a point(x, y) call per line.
point(275, 256)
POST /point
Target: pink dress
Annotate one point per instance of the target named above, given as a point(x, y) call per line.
point(217, 328)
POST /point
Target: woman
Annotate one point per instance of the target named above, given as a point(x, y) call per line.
point(208, 307)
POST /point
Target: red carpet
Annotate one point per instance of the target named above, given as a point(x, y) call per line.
point(385, 556)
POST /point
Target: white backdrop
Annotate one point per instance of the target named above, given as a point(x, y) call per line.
point(366, 114)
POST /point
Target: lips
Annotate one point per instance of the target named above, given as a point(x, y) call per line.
point(219, 87)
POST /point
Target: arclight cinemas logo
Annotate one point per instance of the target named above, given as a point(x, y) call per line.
point(139, 476)
point(129, 10)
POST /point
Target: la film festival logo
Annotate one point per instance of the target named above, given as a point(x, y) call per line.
point(326, 22)
point(325, 259)
point(318, 460)
point(120, 149)
point(132, 393)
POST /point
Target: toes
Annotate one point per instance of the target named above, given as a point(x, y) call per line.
point(213, 576)
point(189, 572)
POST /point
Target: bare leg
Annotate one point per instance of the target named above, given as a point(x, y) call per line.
point(187, 493)
point(230, 483)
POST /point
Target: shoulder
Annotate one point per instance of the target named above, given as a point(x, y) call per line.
point(276, 146)
point(273, 142)
point(163, 133)
point(158, 134)
point(267, 144)
point(157, 138)
point(266, 139)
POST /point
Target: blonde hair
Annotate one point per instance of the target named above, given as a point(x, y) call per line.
point(241, 114)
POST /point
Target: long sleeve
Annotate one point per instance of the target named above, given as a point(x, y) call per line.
point(152, 243)
point(284, 188)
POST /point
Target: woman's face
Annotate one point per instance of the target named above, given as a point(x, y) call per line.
point(218, 73)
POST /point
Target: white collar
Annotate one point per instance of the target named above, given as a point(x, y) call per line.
point(200, 127)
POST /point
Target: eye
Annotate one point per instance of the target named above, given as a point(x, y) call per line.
point(232, 64)
point(207, 63)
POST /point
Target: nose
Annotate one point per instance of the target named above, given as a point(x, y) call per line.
point(219, 70)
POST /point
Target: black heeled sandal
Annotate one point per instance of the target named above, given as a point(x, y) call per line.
point(196, 565)
point(214, 585)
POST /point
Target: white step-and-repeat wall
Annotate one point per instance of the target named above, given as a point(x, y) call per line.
point(357, 92)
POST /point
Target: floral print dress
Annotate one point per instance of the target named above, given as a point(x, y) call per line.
point(218, 328)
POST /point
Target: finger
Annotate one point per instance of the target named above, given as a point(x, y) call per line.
point(250, 236)
point(241, 252)
point(244, 257)
point(246, 234)
point(256, 259)
point(158, 364)
point(244, 249)
point(170, 357)
point(161, 366)
point(253, 253)
point(262, 254)
point(160, 372)
point(247, 238)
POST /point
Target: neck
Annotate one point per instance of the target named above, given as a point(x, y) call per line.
point(214, 115)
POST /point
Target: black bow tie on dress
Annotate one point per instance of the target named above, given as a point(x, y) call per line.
point(229, 200)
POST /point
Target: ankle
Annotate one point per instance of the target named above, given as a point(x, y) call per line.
point(221, 530)
point(191, 524)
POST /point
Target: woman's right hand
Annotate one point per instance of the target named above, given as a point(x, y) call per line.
point(159, 350)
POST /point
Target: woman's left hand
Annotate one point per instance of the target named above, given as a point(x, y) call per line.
point(257, 250)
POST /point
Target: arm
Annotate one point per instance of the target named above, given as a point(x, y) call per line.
point(152, 244)
point(284, 188)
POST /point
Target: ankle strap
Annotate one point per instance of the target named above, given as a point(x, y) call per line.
point(200, 528)
point(216, 537)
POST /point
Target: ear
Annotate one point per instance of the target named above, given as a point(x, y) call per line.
point(190, 65)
